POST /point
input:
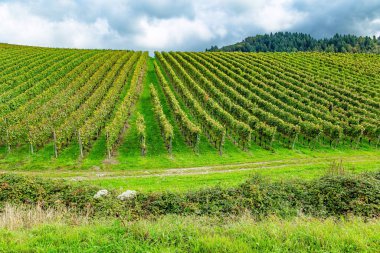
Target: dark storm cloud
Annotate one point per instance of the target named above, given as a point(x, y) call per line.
point(177, 25)
point(325, 18)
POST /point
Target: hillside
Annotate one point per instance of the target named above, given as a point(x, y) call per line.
point(111, 150)
point(111, 107)
point(300, 42)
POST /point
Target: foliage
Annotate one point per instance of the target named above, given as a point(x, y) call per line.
point(166, 127)
point(189, 130)
point(116, 126)
point(293, 42)
point(65, 98)
point(330, 195)
point(274, 99)
point(175, 233)
point(141, 133)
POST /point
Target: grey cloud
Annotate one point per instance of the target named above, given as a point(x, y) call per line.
point(326, 18)
point(182, 24)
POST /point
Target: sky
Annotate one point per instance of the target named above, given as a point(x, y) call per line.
point(171, 25)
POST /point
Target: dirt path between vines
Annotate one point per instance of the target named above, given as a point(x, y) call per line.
point(97, 174)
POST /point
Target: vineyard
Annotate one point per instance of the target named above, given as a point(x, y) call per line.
point(62, 96)
point(311, 99)
point(52, 100)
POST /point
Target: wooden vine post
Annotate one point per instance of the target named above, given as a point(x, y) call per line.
point(80, 145)
point(55, 144)
point(7, 137)
point(31, 148)
point(294, 141)
point(108, 148)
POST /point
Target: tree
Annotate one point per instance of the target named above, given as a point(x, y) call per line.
point(292, 42)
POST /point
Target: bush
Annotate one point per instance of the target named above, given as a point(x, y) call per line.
point(18, 189)
point(335, 195)
point(331, 195)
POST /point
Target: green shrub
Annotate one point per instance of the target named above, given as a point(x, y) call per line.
point(335, 195)
point(32, 190)
point(331, 195)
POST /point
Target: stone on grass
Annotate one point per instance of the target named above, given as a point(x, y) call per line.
point(100, 194)
point(129, 194)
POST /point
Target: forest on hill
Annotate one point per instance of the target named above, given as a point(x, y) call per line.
point(295, 42)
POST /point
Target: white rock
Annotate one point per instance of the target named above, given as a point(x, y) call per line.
point(100, 194)
point(127, 195)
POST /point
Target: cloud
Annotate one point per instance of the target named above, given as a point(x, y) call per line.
point(177, 25)
point(17, 25)
point(172, 33)
point(277, 16)
point(325, 18)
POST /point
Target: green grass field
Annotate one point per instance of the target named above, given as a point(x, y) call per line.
point(304, 167)
point(42, 231)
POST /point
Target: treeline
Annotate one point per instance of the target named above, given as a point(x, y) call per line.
point(293, 42)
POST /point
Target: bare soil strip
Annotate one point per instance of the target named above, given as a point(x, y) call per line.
point(97, 173)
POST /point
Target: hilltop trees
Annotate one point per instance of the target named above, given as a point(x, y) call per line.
point(293, 42)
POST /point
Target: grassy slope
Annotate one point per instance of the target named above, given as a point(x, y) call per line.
point(225, 176)
point(184, 234)
point(157, 157)
point(283, 162)
point(223, 179)
point(129, 155)
point(194, 234)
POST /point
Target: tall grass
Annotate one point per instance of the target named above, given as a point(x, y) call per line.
point(24, 217)
point(57, 230)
